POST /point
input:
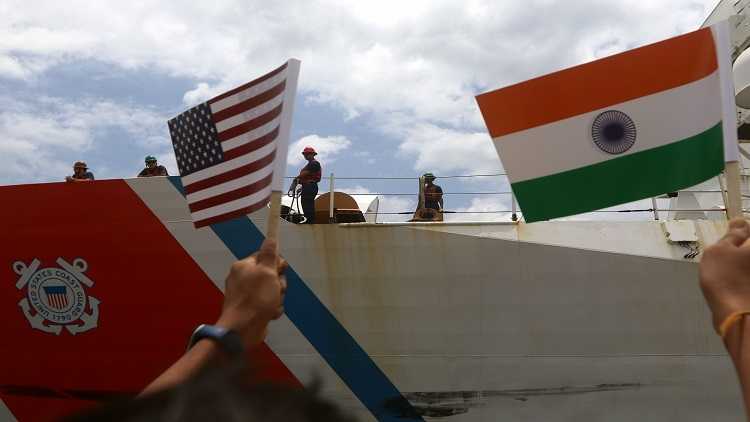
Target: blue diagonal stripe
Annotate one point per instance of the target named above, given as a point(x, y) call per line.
point(339, 349)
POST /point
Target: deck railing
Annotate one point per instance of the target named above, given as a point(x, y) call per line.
point(513, 211)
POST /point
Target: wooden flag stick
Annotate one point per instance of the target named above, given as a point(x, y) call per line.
point(734, 196)
point(274, 212)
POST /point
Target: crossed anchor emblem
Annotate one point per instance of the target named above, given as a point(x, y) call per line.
point(57, 297)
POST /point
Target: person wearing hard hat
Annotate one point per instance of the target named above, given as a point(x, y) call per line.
point(433, 194)
point(152, 168)
point(80, 173)
point(309, 177)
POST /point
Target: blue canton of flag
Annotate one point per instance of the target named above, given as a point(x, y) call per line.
point(196, 145)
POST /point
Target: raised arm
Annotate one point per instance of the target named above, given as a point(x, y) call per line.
point(725, 282)
point(253, 297)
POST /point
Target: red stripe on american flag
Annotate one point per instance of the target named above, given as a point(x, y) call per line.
point(252, 145)
point(231, 174)
point(231, 195)
point(249, 84)
point(249, 103)
point(233, 214)
point(250, 124)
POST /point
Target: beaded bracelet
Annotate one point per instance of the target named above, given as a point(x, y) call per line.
point(730, 321)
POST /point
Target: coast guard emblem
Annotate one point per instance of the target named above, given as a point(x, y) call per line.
point(55, 296)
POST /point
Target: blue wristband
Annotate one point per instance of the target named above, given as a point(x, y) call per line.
point(229, 340)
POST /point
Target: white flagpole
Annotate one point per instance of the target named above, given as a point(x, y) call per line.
point(282, 146)
point(729, 118)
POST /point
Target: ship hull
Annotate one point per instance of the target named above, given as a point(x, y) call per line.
point(455, 322)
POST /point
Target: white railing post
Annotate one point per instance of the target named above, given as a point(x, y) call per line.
point(513, 215)
point(330, 203)
point(653, 205)
point(724, 195)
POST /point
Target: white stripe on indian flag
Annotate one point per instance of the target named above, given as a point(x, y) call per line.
point(235, 205)
point(249, 93)
point(229, 165)
point(230, 185)
point(660, 119)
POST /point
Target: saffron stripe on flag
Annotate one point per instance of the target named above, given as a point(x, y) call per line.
point(615, 79)
point(623, 179)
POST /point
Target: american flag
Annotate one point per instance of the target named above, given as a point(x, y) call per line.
point(231, 150)
point(57, 297)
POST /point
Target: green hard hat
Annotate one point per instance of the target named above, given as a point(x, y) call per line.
point(150, 158)
point(428, 176)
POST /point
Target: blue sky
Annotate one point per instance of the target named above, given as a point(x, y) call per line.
point(386, 88)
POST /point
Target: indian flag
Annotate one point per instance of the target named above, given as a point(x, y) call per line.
point(634, 125)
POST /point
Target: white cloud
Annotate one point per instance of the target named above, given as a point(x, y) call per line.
point(327, 147)
point(41, 138)
point(421, 59)
point(390, 207)
point(444, 151)
point(200, 93)
point(486, 208)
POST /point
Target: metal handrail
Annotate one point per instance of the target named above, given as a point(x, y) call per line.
point(514, 212)
point(410, 177)
point(598, 211)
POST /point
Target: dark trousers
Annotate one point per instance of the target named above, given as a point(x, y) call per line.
point(309, 190)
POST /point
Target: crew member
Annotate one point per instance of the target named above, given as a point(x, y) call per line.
point(433, 194)
point(309, 177)
point(80, 173)
point(152, 169)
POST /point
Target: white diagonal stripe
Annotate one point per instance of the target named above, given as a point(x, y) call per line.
point(246, 137)
point(230, 185)
point(248, 93)
point(660, 119)
point(229, 165)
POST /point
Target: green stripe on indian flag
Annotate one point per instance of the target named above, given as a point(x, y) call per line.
point(637, 124)
point(640, 175)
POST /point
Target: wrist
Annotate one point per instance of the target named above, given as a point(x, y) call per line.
point(249, 325)
point(229, 340)
point(725, 310)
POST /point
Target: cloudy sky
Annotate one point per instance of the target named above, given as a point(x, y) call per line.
point(386, 88)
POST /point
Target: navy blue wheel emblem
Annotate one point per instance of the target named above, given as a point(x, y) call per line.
point(613, 132)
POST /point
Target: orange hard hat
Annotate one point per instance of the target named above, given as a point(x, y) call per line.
point(309, 150)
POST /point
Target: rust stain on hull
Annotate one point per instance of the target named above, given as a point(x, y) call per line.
point(448, 403)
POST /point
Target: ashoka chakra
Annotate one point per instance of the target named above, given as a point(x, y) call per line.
point(613, 132)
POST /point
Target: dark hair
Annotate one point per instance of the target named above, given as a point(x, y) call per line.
point(223, 394)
